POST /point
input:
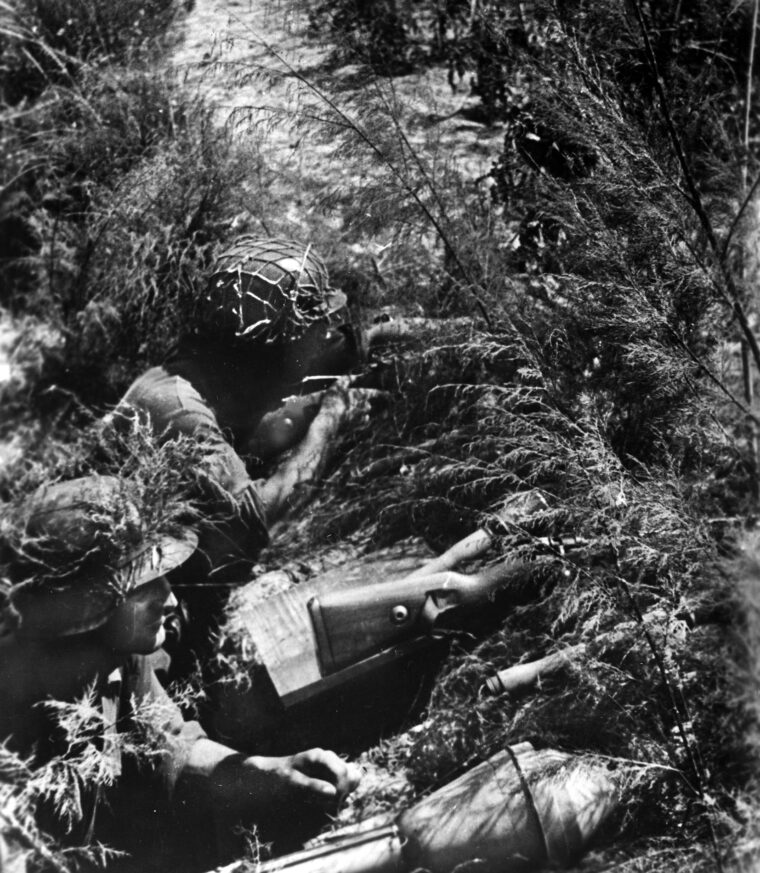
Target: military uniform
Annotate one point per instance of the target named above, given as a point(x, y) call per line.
point(218, 398)
point(79, 624)
point(173, 407)
point(133, 814)
point(264, 334)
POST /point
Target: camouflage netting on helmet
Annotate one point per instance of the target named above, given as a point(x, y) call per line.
point(85, 543)
point(266, 290)
point(66, 526)
point(76, 550)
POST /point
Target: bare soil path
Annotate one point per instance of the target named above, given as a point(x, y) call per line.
point(251, 58)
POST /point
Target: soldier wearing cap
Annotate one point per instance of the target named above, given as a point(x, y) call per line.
point(265, 330)
point(85, 608)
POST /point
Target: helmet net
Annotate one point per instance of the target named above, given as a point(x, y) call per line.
point(266, 289)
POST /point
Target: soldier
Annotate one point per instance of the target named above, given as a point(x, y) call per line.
point(265, 326)
point(85, 610)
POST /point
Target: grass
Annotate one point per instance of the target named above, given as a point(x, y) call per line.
point(117, 187)
point(46, 41)
point(599, 370)
point(601, 380)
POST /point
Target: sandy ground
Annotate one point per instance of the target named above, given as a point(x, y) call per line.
point(252, 58)
point(221, 42)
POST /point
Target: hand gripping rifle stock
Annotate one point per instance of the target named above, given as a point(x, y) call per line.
point(520, 810)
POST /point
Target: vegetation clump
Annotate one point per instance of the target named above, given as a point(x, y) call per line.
point(116, 186)
point(613, 369)
point(608, 359)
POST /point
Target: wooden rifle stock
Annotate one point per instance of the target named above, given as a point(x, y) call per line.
point(313, 639)
point(363, 633)
point(352, 625)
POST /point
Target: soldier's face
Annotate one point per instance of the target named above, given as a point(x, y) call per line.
point(136, 627)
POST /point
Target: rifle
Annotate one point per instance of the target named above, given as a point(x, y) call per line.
point(518, 811)
point(314, 641)
point(350, 626)
point(350, 654)
point(320, 636)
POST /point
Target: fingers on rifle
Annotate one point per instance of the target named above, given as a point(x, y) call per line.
point(352, 779)
point(318, 762)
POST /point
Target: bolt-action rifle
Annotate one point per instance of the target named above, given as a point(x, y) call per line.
point(311, 641)
point(520, 810)
point(317, 637)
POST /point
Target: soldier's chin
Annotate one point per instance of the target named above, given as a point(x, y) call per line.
point(160, 638)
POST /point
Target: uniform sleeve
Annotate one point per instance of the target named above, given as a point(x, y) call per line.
point(174, 408)
point(160, 717)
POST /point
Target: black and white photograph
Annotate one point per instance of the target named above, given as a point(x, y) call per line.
point(379, 436)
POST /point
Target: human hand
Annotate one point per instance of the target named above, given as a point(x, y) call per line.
point(288, 798)
point(259, 786)
point(327, 767)
point(315, 777)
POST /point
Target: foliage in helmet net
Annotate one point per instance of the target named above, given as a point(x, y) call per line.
point(159, 501)
point(592, 387)
point(161, 485)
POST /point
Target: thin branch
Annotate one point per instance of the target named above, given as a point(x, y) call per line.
point(748, 92)
point(719, 383)
point(691, 754)
point(694, 197)
point(414, 155)
point(747, 115)
point(384, 158)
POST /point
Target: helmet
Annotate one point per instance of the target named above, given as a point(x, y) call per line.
point(268, 290)
point(80, 551)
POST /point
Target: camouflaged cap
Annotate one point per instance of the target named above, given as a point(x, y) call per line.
point(81, 548)
point(268, 289)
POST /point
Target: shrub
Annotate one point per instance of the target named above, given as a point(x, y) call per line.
point(123, 185)
point(50, 41)
point(606, 376)
point(604, 290)
point(381, 33)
